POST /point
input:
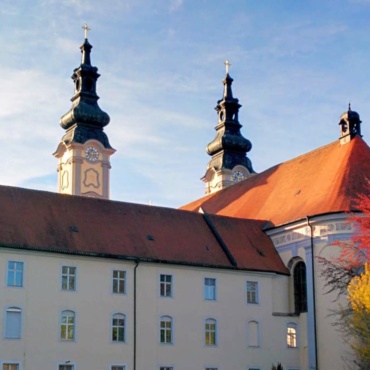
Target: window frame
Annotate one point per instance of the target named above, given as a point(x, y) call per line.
point(124, 366)
point(252, 295)
point(289, 336)
point(2, 363)
point(65, 364)
point(6, 318)
point(124, 327)
point(165, 284)
point(208, 332)
point(166, 318)
point(68, 289)
point(67, 326)
point(8, 271)
point(118, 279)
point(209, 291)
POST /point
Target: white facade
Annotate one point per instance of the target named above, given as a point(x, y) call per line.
point(247, 335)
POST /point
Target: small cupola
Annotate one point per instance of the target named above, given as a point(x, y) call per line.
point(350, 125)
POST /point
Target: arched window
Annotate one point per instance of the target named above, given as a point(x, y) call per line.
point(300, 287)
point(210, 332)
point(165, 329)
point(291, 335)
point(118, 327)
point(13, 323)
point(253, 334)
point(67, 325)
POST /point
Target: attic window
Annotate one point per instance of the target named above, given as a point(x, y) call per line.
point(150, 237)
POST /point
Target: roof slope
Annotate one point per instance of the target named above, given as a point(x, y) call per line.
point(70, 224)
point(325, 180)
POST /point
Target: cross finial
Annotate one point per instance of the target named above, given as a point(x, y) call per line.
point(86, 29)
point(227, 65)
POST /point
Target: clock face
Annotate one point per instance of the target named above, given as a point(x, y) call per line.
point(92, 154)
point(238, 176)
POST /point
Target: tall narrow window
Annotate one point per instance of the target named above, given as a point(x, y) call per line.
point(13, 323)
point(300, 287)
point(118, 327)
point(165, 285)
point(67, 325)
point(166, 329)
point(210, 289)
point(68, 278)
point(291, 335)
point(15, 273)
point(253, 334)
point(210, 332)
point(10, 366)
point(119, 282)
point(252, 292)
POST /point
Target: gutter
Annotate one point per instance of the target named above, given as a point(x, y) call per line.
point(313, 288)
point(134, 362)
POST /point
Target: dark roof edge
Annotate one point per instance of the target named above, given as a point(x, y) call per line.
point(134, 259)
point(268, 228)
point(219, 239)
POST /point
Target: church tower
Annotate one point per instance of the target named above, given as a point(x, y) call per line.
point(84, 151)
point(229, 163)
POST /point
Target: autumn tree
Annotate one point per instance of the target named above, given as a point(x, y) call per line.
point(346, 274)
point(359, 321)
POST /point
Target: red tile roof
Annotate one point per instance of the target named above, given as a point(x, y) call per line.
point(325, 180)
point(69, 224)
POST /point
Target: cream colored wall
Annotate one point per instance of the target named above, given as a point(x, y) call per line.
point(42, 300)
point(331, 348)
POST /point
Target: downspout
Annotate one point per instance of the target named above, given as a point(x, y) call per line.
point(313, 288)
point(134, 364)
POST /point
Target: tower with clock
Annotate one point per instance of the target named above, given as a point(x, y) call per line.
point(229, 163)
point(84, 150)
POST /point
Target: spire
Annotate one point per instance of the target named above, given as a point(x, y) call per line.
point(229, 148)
point(229, 142)
point(85, 120)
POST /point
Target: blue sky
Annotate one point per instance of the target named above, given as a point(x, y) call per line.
point(295, 64)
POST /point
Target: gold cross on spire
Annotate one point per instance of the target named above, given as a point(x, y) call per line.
point(86, 29)
point(227, 65)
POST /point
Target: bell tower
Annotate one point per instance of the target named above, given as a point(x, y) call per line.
point(229, 163)
point(84, 151)
point(350, 125)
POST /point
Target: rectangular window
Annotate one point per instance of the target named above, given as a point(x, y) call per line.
point(165, 285)
point(66, 367)
point(13, 323)
point(10, 366)
point(68, 278)
point(118, 367)
point(15, 273)
point(252, 292)
point(211, 368)
point(210, 289)
point(166, 368)
point(119, 282)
